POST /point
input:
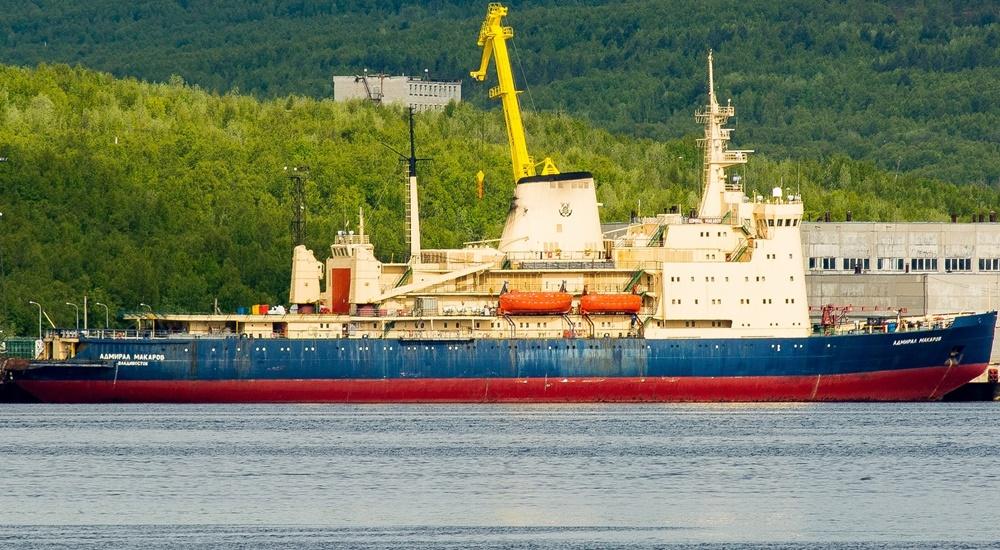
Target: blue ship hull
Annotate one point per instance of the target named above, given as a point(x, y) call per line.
point(916, 365)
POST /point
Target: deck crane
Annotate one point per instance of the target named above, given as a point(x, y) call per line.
point(493, 38)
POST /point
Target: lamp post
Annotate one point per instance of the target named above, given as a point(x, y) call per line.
point(106, 316)
point(39, 317)
point(77, 309)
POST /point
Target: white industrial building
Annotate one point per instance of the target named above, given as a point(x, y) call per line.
point(923, 267)
point(422, 94)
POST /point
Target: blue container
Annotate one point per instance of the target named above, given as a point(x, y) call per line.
point(242, 310)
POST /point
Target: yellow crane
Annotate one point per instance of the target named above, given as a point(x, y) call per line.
point(493, 38)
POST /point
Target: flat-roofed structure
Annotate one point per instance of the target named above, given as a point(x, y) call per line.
point(923, 267)
point(420, 93)
point(878, 247)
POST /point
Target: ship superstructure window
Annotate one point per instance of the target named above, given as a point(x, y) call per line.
point(958, 264)
point(770, 222)
point(989, 264)
point(857, 263)
point(923, 264)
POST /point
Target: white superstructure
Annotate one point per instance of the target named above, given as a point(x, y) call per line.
point(735, 269)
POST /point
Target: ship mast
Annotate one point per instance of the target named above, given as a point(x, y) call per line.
point(717, 156)
point(412, 207)
point(493, 38)
point(299, 208)
point(413, 213)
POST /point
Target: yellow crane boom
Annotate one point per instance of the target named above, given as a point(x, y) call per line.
point(493, 40)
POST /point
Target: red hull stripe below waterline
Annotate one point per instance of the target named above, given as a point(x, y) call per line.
point(900, 385)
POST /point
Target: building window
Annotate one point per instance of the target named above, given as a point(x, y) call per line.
point(989, 264)
point(854, 264)
point(829, 263)
point(891, 264)
point(958, 264)
point(923, 264)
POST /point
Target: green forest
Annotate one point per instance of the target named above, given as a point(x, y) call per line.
point(174, 196)
point(911, 86)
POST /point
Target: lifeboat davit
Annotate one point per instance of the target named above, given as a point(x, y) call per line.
point(610, 303)
point(535, 303)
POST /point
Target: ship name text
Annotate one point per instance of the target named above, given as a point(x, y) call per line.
point(924, 340)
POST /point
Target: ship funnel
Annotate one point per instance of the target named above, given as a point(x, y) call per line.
point(554, 216)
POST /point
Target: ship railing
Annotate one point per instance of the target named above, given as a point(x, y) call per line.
point(596, 254)
point(565, 264)
point(115, 333)
point(717, 220)
point(654, 266)
point(466, 311)
point(436, 335)
point(573, 288)
point(351, 239)
point(889, 324)
point(734, 156)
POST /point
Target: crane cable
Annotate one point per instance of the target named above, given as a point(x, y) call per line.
point(524, 77)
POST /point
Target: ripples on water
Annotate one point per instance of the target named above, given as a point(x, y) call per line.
point(698, 476)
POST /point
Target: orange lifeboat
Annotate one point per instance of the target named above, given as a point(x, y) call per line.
point(610, 303)
point(535, 303)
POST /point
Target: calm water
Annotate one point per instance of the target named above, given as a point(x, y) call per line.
point(878, 476)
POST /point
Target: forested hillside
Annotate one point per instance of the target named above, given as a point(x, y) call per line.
point(912, 86)
point(173, 196)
